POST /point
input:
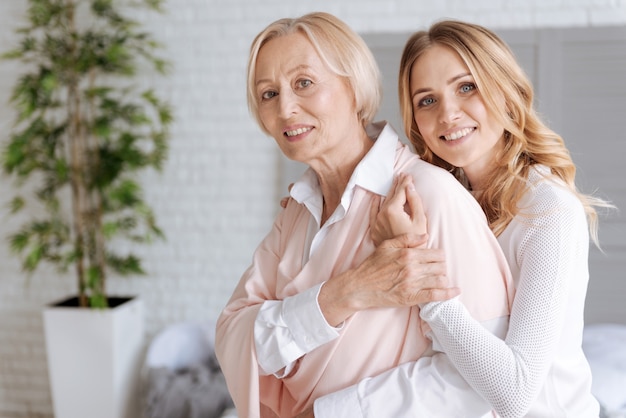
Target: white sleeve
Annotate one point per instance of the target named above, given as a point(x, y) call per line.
point(510, 373)
point(287, 329)
point(428, 387)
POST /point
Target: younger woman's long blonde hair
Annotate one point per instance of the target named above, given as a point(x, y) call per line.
point(527, 139)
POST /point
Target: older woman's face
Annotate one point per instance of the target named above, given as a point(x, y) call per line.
point(308, 109)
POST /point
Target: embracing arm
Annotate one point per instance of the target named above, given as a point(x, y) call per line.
point(432, 386)
point(394, 275)
point(428, 387)
point(511, 373)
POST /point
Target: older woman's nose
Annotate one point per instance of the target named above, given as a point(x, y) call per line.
point(288, 103)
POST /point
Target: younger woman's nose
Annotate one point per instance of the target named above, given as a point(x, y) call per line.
point(449, 110)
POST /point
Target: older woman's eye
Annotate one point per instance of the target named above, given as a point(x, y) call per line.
point(304, 83)
point(266, 95)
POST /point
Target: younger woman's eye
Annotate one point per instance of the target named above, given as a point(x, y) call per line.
point(468, 87)
point(427, 101)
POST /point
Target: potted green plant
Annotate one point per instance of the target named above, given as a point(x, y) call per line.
point(83, 132)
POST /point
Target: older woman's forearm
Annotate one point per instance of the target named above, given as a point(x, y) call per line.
point(335, 300)
point(285, 330)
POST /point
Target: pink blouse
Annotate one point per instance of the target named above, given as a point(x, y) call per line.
point(370, 341)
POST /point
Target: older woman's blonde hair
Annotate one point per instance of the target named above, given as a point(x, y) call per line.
point(340, 48)
point(528, 140)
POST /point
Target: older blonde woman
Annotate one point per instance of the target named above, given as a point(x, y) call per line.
point(318, 309)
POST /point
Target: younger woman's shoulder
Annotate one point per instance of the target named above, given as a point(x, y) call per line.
point(547, 190)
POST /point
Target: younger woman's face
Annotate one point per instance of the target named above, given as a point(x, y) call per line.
point(451, 115)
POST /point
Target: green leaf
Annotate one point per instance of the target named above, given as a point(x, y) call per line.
point(19, 241)
point(102, 7)
point(17, 204)
point(127, 193)
point(40, 12)
point(93, 277)
point(48, 82)
point(98, 301)
point(61, 170)
point(13, 54)
point(154, 4)
point(33, 257)
point(124, 266)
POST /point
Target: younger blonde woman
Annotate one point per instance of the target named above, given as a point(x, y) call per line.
point(467, 106)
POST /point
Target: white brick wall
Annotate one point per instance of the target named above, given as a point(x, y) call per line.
point(219, 191)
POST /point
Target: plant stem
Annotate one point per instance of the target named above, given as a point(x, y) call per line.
point(76, 152)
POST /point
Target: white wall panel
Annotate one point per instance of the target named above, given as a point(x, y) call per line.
point(221, 185)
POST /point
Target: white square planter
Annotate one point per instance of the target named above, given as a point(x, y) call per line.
point(94, 360)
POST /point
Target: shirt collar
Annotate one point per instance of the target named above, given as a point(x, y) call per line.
point(374, 172)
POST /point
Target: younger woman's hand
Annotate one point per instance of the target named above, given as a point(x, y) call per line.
point(402, 212)
point(284, 200)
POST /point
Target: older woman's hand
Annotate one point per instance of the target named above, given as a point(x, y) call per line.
point(402, 212)
point(399, 273)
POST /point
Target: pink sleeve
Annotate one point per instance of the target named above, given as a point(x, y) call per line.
point(234, 340)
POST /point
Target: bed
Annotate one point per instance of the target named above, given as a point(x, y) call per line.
point(605, 348)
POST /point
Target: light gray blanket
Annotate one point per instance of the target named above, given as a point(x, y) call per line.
point(197, 391)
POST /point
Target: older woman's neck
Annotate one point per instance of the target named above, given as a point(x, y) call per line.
point(333, 184)
point(334, 176)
